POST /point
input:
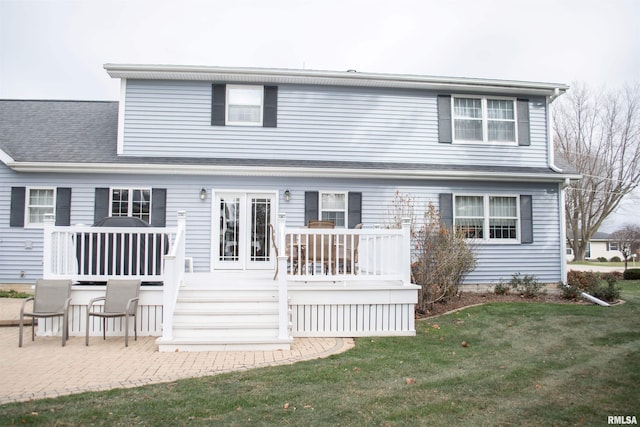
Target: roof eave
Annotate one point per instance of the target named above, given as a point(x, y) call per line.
point(333, 78)
point(279, 171)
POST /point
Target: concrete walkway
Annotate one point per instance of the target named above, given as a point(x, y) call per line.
point(43, 368)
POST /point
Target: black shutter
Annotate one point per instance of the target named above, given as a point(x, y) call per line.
point(524, 138)
point(355, 209)
point(526, 219)
point(18, 199)
point(218, 104)
point(270, 111)
point(311, 199)
point(63, 206)
point(101, 206)
point(444, 119)
point(446, 210)
point(158, 207)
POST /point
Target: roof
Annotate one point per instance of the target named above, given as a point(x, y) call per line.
point(332, 78)
point(81, 137)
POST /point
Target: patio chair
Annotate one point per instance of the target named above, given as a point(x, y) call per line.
point(51, 299)
point(120, 300)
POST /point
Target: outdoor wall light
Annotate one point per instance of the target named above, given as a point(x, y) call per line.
point(287, 195)
point(203, 194)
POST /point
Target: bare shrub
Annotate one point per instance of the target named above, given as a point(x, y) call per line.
point(441, 258)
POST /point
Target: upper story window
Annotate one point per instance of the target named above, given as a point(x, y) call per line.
point(487, 217)
point(40, 201)
point(244, 105)
point(131, 202)
point(333, 207)
point(484, 120)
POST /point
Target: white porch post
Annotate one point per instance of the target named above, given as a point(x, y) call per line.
point(173, 274)
point(283, 294)
point(47, 254)
point(406, 251)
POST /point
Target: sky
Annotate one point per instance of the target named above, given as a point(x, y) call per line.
point(56, 49)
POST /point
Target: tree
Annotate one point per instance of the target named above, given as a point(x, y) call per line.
point(628, 238)
point(599, 134)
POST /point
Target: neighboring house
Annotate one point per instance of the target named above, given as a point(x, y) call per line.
point(236, 147)
point(601, 245)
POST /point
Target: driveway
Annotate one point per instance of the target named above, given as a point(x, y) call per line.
point(598, 268)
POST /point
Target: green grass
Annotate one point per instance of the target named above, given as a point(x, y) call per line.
point(526, 364)
point(14, 294)
point(630, 264)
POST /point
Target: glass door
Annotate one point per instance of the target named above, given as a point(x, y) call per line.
point(244, 238)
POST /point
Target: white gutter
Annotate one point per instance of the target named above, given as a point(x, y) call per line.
point(279, 171)
point(335, 78)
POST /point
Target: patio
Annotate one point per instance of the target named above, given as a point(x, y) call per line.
point(27, 372)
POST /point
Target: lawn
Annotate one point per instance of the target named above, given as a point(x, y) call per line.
point(523, 364)
point(630, 264)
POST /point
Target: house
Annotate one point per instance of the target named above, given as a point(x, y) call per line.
point(244, 151)
point(601, 245)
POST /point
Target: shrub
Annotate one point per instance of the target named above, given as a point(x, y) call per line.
point(586, 281)
point(502, 288)
point(615, 259)
point(528, 286)
point(632, 274)
point(617, 274)
point(569, 291)
point(609, 292)
point(602, 259)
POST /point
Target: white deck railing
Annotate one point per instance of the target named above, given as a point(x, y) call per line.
point(174, 276)
point(96, 254)
point(337, 254)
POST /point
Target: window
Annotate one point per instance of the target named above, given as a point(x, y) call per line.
point(244, 105)
point(40, 201)
point(613, 246)
point(333, 207)
point(487, 217)
point(131, 202)
point(484, 119)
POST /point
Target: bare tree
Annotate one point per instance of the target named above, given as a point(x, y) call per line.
point(599, 134)
point(628, 238)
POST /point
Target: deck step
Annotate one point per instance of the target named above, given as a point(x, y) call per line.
point(224, 317)
point(228, 344)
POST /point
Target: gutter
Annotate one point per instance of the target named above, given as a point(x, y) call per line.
point(302, 172)
point(335, 78)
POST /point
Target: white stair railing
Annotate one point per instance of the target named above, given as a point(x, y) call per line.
point(174, 268)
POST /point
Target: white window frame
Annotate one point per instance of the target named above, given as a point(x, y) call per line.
point(345, 210)
point(28, 206)
point(485, 120)
point(130, 200)
point(486, 200)
point(229, 89)
point(616, 244)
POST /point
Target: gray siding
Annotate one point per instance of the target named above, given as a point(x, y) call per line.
point(173, 118)
point(543, 258)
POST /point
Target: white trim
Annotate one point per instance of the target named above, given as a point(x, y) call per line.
point(215, 226)
point(121, 111)
point(283, 171)
point(230, 88)
point(130, 191)
point(487, 217)
point(485, 120)
point(27, 223)
point(345, 210)
point(5, 158)
point(332, 78)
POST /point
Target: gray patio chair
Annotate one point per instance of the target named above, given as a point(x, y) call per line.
point(51, 299)
point(120, 300)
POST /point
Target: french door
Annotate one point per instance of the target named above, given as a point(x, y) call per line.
point(242, 238)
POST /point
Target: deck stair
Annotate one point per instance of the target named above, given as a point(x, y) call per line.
point(226, 313)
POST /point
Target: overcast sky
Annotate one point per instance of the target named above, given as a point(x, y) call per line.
point(55, 49)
